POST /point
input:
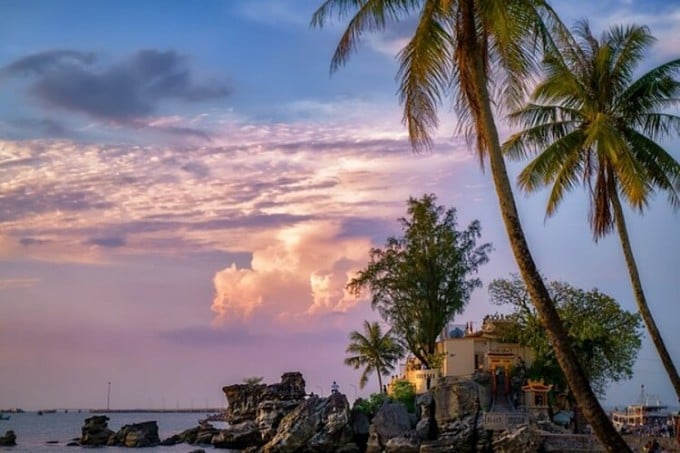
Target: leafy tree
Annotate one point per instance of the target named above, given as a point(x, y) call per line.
point(419, 281)
point(371, 405)
point(590, 121)
point(404, 392)
point(466, 47)
point(253, 380)
point(605, 337)
point(374, 351)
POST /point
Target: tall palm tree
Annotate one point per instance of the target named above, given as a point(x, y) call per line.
point(590, 121)
point(459, 46)
point(374, 351)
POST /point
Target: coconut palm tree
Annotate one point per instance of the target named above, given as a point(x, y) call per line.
point(591, 122)
point(462, 46)
point(374, 351)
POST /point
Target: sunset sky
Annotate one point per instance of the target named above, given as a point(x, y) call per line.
point(185, 191)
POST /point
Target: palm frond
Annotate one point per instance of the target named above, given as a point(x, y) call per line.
point(424, 75)
point(367, 16)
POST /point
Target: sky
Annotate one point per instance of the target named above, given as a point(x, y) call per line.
point(185, 190)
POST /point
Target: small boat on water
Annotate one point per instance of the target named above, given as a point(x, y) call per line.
point(645, 417)
point(3, 416)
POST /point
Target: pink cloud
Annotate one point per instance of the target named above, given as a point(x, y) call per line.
point(302, 270)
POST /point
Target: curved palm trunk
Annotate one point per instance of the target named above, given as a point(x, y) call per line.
point(640, 298)
point(486, 128)
point(380, 384)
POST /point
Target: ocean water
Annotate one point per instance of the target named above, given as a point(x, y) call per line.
point(33, 431)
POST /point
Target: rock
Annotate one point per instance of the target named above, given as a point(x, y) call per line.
point(360, 427)
point(426, 427)
point(391, 420)
point(454, 398)
point(9, 439)
point(525, 439)
point(95, 431)
point(270, 414)
point(402, 444)
point(136, 435)
point(202, 434)
point(423, 429)
point(244, 399)
point(349, 448)
point(317, 425)
point(200, 450)
point(241, 435)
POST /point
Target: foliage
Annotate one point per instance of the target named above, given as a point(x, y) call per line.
point(374, 351)
point(371, 405)
point(469, 48)
point(419, 281)
point(590, 121)
point(605, 337)
point(253, 380)
point(404, 392)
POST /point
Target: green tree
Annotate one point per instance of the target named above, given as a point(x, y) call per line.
point(467, 47)
point(404, 392)
point(419, 281)
point(373, 351)
point(253, 380)
point(605, 337)
point(590, 121)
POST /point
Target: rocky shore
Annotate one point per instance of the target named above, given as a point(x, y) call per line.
point(283, 418)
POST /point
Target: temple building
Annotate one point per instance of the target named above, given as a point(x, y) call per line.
point(465, 350)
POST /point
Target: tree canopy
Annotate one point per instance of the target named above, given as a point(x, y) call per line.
point(374, 351)
point(591, 121)
point(420, 280)
point(605, 337)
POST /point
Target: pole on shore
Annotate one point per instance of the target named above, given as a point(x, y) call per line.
point(108, 396)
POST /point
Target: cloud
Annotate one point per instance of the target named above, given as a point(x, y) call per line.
point(90, 201)
point(18, 283)
point(32, 241)
point(107, 242)
point(123, 91)
point(307, 261)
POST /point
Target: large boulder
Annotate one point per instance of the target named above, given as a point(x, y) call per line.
point(239, 436)
point(391, 420)
point(316, 425)
point(270, 414)
point(95, 431)
point(244, 399)
point(360, 426)
point(136, 435)
point(454, 398)
point(9, 439)
point(201, 434)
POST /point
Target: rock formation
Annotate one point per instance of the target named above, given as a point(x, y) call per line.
point(143, 434)
point(9, 439)
point(95, 431)
point(317, 425)
point(244, 399)
point(202, 435)
point(390, 421)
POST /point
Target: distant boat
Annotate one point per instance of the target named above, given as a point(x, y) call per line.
point(3, 416)
point(642, 416)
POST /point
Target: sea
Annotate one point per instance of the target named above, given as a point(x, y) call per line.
point(34, 431)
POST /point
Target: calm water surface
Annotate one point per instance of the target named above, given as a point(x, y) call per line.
point(33, 430)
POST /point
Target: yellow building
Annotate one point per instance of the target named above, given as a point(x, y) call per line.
point(465, 351)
